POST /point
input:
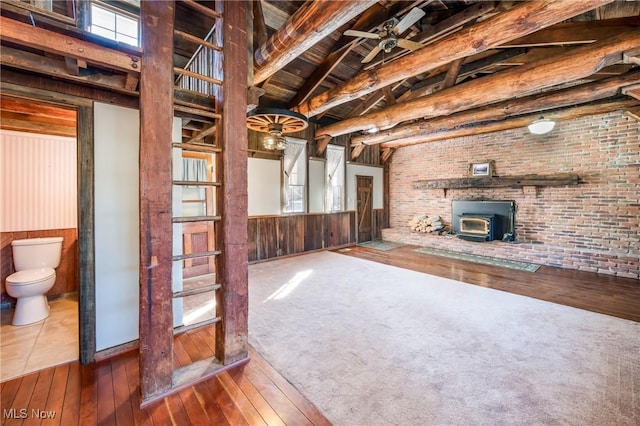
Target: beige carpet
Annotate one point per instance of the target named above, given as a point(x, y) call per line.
point(371, 344)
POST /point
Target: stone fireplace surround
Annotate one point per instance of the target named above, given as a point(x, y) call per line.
point(591, 227)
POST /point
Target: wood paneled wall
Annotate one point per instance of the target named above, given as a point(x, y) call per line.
point(274, 236)
point(66, 273)
point(379, 221)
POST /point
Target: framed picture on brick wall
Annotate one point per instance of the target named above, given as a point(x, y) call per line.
point(481, 169)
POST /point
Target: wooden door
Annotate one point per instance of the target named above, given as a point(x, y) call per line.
point(364, 193)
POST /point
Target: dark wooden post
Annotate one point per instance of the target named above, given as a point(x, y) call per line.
point(86, 235)
point(156, 116)
point(232, 265)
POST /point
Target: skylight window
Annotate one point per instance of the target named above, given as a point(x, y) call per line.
point(114, 24)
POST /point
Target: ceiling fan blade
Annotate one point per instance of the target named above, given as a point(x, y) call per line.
point(409, 19)
point(362, 34)
point(371, 55)
point(408, 44)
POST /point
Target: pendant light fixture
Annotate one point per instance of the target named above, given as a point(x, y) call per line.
point(276, 122)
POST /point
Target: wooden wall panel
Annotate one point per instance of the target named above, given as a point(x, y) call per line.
point(313, 232)
point(274, 236)
point(252, 245)
point(379, 222)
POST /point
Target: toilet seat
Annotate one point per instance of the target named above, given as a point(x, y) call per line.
point(31, 276)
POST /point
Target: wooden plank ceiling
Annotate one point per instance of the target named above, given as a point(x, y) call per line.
point(558, 46)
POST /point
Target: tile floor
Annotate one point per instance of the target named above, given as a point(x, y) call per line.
point(46, 343)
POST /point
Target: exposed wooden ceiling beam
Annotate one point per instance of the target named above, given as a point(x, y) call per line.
point(580, 32)
point(308, 25)
point(522, 19)
point(372, 18)
point(584, 93)
point(58, 91)
point(59, 68)
point(60, 44)
point(432, 34)
point(426, 86)
point(260, 35)
point(633, 113)
point(578, 63)
point(633, 91)
point(514, 123)
point(447, 27)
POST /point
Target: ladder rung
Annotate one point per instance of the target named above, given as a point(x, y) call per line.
point(202, 8)
point(196, 255)
point(193, 291)
point(197, 40)
point(197, 147)
point(195, 183)
point(197, 111)
point(196, 219)
point(185, 328)
point(195, 75)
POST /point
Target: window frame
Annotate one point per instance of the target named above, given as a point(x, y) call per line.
point(287, 186)
point(117, 12)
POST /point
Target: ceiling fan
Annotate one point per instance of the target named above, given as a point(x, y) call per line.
point(390, 36)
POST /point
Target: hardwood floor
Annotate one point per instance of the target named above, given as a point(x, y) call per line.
point(107, 393)
point(619, 297)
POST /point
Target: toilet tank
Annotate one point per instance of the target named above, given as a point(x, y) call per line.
point(33, 253)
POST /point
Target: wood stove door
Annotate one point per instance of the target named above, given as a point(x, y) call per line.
point(364, 211)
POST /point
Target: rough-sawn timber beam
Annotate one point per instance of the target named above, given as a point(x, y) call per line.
point(58, 68)
point(311, 23)
point(578, 63)
point(60, 44)
point(581, 94)
point(522, 19)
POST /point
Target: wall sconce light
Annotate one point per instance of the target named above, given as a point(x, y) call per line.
point(275, 122)
point(541, 126)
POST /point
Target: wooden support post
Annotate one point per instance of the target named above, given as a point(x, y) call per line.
point(86, 235)
point(232, 267)
point(156, 118)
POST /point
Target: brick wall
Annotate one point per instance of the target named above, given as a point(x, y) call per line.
point(594, 226)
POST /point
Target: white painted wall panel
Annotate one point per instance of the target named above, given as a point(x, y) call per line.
point(116, 145)
point(38, 182)
point(317, 181)
point(264, 186)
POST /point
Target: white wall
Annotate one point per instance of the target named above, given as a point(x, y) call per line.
point(354, 170)
point(116, 144)
point(264, 177)
point(317, 181)
point(39, 182)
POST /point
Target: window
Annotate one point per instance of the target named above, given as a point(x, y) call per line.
point(114, 24)
point(335, 178)
point(295, 176)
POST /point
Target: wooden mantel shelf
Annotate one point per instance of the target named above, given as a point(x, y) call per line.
point(498, 182)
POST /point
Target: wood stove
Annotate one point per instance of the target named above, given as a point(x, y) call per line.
point(483, 220)
point(478, 227)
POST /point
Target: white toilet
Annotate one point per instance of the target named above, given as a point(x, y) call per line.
point(34, 260)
